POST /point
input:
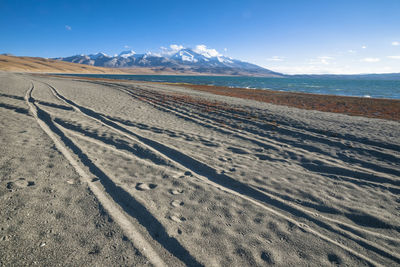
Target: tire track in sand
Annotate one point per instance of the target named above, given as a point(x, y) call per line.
point(305, 132)
point(112, 208)
point(130, 154)
point(210, 176)
point(366, 175)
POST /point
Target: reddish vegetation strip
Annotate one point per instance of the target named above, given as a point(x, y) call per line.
point(356, 106)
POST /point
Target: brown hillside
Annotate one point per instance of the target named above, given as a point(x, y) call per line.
point(44, 65)
point(37, 64)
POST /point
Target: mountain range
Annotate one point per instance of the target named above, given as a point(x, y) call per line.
point(184, 60)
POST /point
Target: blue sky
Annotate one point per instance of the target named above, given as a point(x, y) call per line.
point(290, 36)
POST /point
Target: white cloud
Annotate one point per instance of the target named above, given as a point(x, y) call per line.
point(371, 59)
point(351, 51)
point(126, 46)
point(176, 47)
point(225, 49)
point(395, 43)
point(275, 58)
point(325, 60)
point(201, 49)
point(394, 57)
point(312, 69)
point(363, 47)
point(68, 28)
point(207, 52)
point(171, 50)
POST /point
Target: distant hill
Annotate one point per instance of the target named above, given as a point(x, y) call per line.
point(184, 61)
point(44, 65)
point(37, 64)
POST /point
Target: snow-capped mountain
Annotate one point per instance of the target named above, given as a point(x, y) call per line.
point(98, 55)
point(182, 60)
point(126, 54)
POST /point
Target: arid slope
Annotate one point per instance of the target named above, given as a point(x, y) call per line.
point(37, 64)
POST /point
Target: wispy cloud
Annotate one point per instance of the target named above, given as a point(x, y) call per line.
point(275, 58)
point(351, 51)
point(324, 60)
point(395, 43)
point(68, 28)
point(371, 59)
point(364, 47)
point(313, 69)
point(126, 46)
point(394, 57)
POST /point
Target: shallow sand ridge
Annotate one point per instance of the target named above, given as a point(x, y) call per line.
point(191, 178)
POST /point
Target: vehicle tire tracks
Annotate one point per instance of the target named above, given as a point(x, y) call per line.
point(63, 144)
point(210, 176)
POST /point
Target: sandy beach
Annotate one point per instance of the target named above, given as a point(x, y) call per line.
point(106, 173)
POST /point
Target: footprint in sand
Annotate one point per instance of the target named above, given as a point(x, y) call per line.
point(262, 157)
point(20, 183)
point(237, 150)
point(177, 218)
point(177, 203)
point(222, 159)
point(143, 186)
point(176, 191)
point(185, 175)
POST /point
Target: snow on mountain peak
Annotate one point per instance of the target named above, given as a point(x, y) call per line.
point(153, 54)
point(98, 55)
point(176, 57)
point(207, 52)
point(199, 53)
point(224, 59)
point(126, 54)
point(185, 55)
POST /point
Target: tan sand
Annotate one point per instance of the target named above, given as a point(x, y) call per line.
point(124, 173)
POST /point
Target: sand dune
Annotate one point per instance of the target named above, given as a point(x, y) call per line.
point(164, 175)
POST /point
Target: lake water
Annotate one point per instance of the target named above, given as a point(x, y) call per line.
point(332, 86)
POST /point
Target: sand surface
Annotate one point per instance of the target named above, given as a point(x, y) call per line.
point(126, 173)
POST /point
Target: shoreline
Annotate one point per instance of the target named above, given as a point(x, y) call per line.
point(379, 108)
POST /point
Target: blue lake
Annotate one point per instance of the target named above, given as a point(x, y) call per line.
point(333, 86)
